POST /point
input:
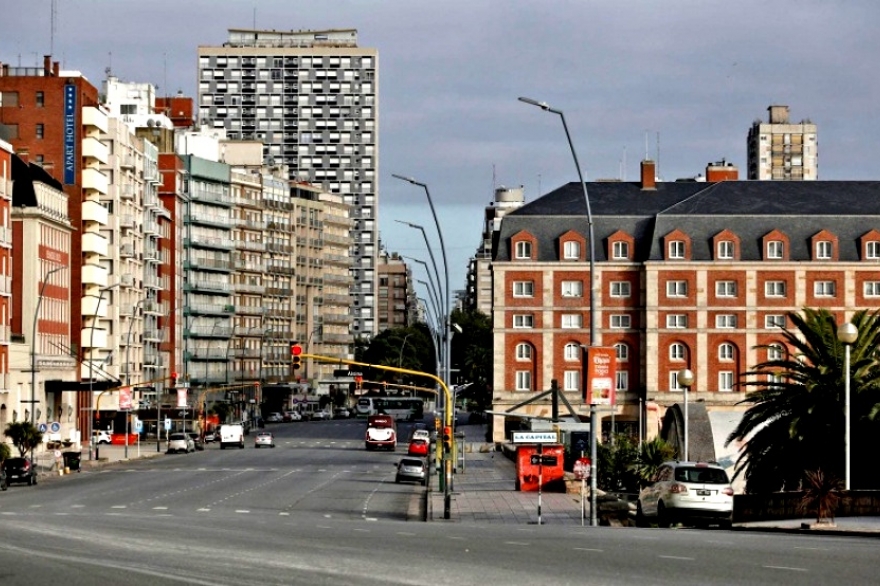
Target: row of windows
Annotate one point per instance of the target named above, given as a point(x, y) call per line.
point(624, 321)
point(572, 381)
point(676, 250)
point(571, 352)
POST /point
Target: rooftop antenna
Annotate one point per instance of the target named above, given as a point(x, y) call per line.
point(255, 18)
point(623, 171)
point(53, 18)
point(658, 154)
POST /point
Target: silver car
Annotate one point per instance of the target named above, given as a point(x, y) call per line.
point(180, 442)
point(697, 492)
point(412, 469)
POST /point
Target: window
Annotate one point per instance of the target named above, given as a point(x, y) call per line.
point(872, 250)
point(775, 249)
point(725, 321)
point(775, 352)
point(523, 380)
point(676, 249)
point(40, 130)
point(676, 320)
point(620, 250)
point(725, 288)
point(774, 321)
point(571, 380)
point(622, 380)
point(572, 289)
point(572, 351)
point(41, 99)
point(774, 289)
point(571, 250)
point(725, 381)
point(872, 288)
point(523, 320)
point(824, 288)
point(523, 289)
point(823, 249)
point(523, 249)
point(725, 352)
point(621, 351)
point(725, 249)
point(571, 320)
point(673, 381)
point(620, 321)
point(523, 351)
point(676, 288)
point(676, 351)
point(620, 288)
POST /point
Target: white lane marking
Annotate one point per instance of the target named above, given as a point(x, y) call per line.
point(242, 511)
point(203, 510)
point(516, 543)
point(160, 508)
point(283, 514)
point(675, 557)
point(361, 530)
point(77, 506)
point(791, 569)
point(455, 538)
point(589, 549)
point(119, 506)
point(10, 513)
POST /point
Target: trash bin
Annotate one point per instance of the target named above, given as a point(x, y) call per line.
point(72, 460)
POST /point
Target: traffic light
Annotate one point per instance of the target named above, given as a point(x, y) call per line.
point(447, 439)
point(174, 379)
point(296, 355)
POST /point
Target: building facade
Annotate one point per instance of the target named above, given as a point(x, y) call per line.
point(311, 97)
point(396, 292)
point(780, 150)
point(690, 275)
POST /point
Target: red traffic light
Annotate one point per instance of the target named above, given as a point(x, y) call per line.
point(296, 349)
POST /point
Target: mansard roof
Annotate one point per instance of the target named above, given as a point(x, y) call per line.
point(750, 209)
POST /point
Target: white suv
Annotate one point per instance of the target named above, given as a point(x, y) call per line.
point(687, 491)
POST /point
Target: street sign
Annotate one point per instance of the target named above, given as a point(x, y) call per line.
point(535, 437)
point(543, 460)
point(54, 427)
point(347, 372)
point(167, 424)
point(42, 427)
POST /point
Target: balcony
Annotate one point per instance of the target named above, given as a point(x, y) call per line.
point(126, 191)
point(89, 306)
point(206, 309)
point(96, 118)
point(127, 221)
point(94, 275)
point(95, 149)
point(94, 243)
point(95, 180)
point(93, 211)
point(210, 286)
point(93, 337)
point(126, 251)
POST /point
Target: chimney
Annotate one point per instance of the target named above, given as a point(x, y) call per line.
point(47, 64)
point(649, 175)
point(721, 171)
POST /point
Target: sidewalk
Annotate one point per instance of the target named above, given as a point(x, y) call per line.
point(48, 467)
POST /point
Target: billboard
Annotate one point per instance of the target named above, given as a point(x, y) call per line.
point(601, 366)
point(69, 134)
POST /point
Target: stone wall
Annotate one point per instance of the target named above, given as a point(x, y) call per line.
point(786, 505)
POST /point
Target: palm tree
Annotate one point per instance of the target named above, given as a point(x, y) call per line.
point(795, 421)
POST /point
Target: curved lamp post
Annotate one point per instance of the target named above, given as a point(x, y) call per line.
point(427, 270)
point(43, 284)
point(685, 379)
point(101, 292)
point(594, 423)
point(847, 333)
point(128, 367)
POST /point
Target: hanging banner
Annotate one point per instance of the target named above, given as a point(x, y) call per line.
point(69, 134)
point(181, 397)
point(601, 374)
point(125, 399)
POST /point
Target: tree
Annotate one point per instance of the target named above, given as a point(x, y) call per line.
point(24, 436)
point(615, 465)
point(651, 456)
point(5, 452)
point(472, 355)
point(795, 421)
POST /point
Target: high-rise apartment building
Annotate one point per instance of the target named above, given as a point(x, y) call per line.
point(396, 292)
point(311, 98)
point(779, 150)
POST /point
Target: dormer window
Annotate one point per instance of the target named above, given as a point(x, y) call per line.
point(725, 249)
point(676, 249)
point(571, 250)
point(523, 249)
point(824, 249)
point(620, 250)
point(872, 249)
point(775, 249)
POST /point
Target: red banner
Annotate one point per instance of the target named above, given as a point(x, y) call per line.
point(601, 376)
point(181, 397)
point(125, 399)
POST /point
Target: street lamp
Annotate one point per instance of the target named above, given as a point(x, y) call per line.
point(400, 354)
point(128, 367)
point(446, 325)
point(685, 379)
point(847, 333)
point(430, 278)
point(101, 292)
point(43, 284)
point(594, 420)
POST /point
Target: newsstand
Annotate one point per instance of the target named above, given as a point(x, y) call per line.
point(72, 460)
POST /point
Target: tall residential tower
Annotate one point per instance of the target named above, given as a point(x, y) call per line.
point(311, 98)
point(782, 151)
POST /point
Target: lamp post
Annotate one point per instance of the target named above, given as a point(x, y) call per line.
point(128, 366)
point(685, 379)
point(447, 496)
point(594, 419)
point(43, 284)
point(400, 354)
point(430, 278)
point(847, 333)
point(101, 292)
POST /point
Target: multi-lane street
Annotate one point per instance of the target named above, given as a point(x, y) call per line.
point(319, 509)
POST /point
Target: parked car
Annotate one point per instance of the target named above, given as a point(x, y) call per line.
point(418, 447)
point(197, 441)
point(321, 415)
point(100, 437)
point(19, 470)
point(264, 438)
point(341, 413)
point(180, 442)
point(209, 436)
point(412, 469)
point(274, 418)
point(697, 492)
point(294, 415)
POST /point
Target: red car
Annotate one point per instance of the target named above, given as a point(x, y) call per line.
point(418, 447)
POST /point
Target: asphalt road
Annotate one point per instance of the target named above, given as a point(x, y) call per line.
point(319, 509)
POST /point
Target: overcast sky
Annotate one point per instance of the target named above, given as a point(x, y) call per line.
point(690, 76)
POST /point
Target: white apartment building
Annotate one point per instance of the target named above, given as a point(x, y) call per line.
point(781, 151)
point(311, 98)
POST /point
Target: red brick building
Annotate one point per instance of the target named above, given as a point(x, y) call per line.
point(691, 275)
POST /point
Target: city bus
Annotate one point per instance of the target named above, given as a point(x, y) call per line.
point(400, 408)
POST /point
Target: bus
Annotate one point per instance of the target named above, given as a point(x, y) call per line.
point(400, 408)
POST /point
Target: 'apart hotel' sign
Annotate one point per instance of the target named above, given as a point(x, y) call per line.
point(601, 376)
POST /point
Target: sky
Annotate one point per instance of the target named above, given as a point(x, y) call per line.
point(678, 81)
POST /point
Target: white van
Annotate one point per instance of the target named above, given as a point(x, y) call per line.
point(231, 434)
